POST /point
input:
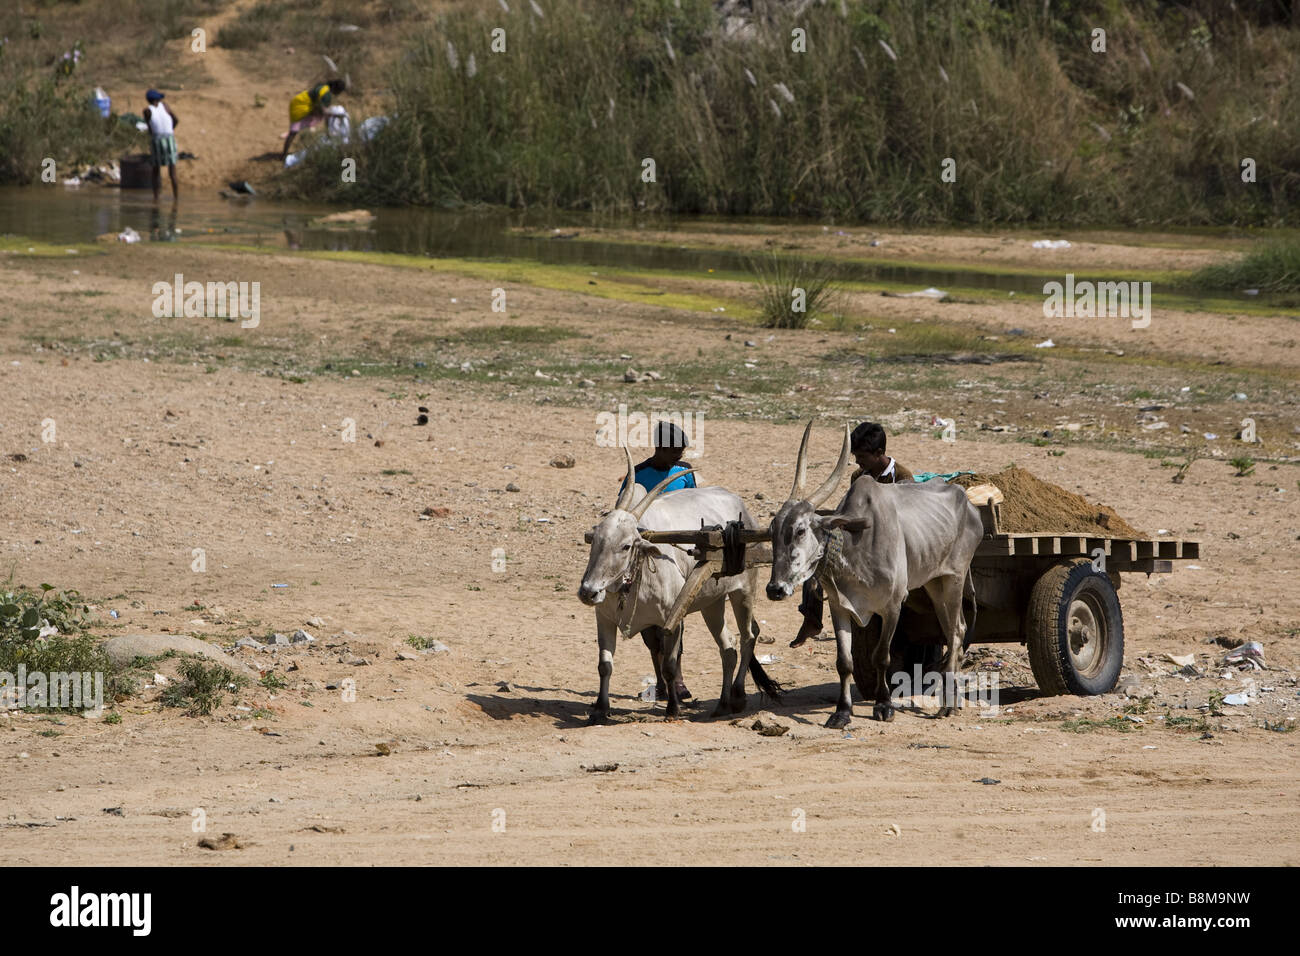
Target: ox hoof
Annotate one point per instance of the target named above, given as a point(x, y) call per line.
point(839, 719)
point(598, 717)
point(683, 693)
point(945, 711)
point(883, 712)
point(739, 703)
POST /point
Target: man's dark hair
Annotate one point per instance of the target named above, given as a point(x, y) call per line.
point(869, 436)
point(338, 86)
point(668, 435)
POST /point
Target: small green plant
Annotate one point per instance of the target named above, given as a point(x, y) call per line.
point(1215, 701)
point(792, 293)
point(418, 642)
point(1244, 466)
point(113, 718)
point(273, 681)
point(202, 687)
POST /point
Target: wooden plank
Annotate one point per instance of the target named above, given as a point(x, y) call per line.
point(1146, 549)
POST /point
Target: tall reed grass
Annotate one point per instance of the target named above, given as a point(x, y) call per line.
point(1037, 126)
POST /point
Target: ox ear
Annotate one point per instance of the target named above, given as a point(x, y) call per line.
point(845, 522)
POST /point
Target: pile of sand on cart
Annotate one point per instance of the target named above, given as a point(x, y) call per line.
point(1031, 505)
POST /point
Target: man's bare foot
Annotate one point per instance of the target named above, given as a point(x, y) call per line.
point(805, 632)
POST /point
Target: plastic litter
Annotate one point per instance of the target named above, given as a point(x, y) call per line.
point(1236, 700)
point(1049, 344)
point(1250, 655)
point(1051, 244)
point(930, 293)
point(102, 102)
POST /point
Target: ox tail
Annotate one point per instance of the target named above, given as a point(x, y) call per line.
point(968, 601)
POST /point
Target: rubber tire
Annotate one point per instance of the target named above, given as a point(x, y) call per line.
point(1047, 630)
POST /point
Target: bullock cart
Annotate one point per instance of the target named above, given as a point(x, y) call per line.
point(1056, 593)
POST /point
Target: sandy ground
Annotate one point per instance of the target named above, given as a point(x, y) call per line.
point(167, 448)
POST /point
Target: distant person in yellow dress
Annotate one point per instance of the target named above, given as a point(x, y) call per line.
point(308, 108)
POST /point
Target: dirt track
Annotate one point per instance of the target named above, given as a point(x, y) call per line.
point(249, 466)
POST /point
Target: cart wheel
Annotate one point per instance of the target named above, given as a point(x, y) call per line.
point(1075, 630)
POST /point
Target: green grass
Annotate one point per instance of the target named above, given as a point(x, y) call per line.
point(584, 94)
point(792, 293)
point(202, 687)
point(1273, 267)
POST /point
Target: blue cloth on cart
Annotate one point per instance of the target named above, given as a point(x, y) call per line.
point(946, 476)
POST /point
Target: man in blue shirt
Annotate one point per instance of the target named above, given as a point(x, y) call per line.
point(670, 445)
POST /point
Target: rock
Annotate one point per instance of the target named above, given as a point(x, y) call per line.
point(512, 487)
point(123, 650)
point(750, 344)
point(301, 637)
point(631, 375)
point(987, 781)
point(437, 647)
point(407, 656)
point(438, 512)
point(249, 643)
point(315, 622)
point(278, 640)
point(586, 383)
point(563, 461)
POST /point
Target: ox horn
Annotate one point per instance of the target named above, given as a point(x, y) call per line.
point(625, 494)
point(654, 492)
point(824, 492)
point(801, 466)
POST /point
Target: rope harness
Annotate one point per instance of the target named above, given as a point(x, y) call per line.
point(631, 583)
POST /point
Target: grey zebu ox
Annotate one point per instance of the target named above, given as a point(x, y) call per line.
point(633, 585)
point(881, 542)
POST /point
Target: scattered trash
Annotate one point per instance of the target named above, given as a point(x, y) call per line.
point(1248, 656)
point(1210, 436)
point(1182, 660)
point(600, 767)
point(930, 293)
point(1051, 244)
point(563, 461)
point(1236, 700)
point(128, 235)
point(768, 659)
point(1049, 344)
point(987, 781)
point(437, 647)
point(893, 830)
point(279, 586)
point(114, 615)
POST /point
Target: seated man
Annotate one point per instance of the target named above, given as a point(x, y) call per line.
point(868, 447)
point(670, 444)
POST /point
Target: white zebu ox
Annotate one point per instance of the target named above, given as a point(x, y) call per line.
point(892, 539)
point(634, 584)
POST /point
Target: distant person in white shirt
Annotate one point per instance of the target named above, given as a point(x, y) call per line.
point(162, 141)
